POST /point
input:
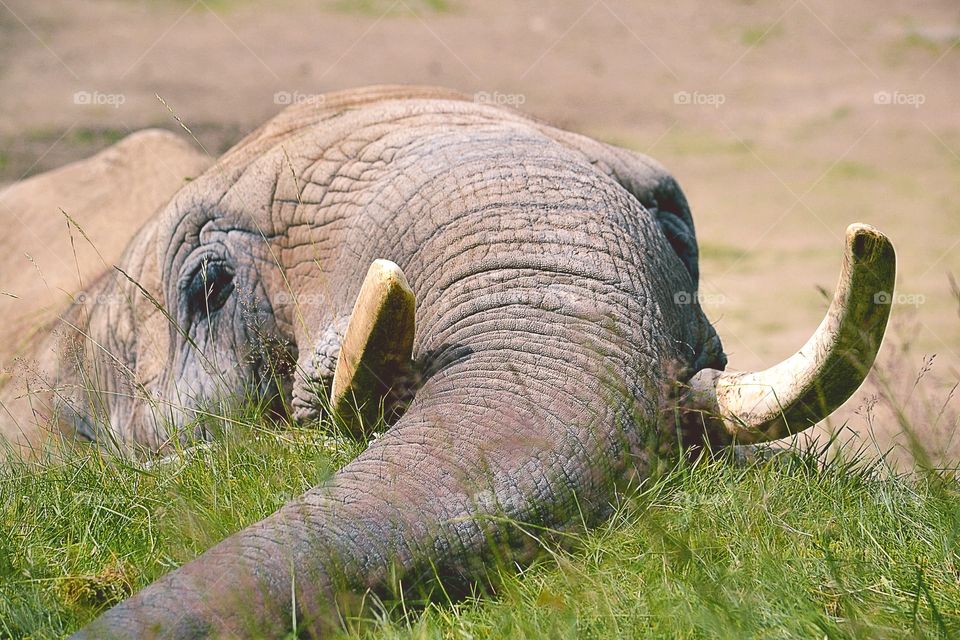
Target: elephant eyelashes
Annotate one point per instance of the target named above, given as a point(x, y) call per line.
point(209, 288)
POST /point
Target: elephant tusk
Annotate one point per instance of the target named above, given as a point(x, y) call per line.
point(376, 348)
point(750, 407)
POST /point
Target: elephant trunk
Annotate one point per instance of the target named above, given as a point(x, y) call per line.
point(529, 420)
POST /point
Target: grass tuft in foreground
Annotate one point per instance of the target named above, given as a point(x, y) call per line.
point(81, 530)
point(791, 548)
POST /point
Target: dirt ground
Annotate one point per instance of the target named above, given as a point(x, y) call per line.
point(784, 121)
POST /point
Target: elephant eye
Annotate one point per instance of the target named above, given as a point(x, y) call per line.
point(209, 288)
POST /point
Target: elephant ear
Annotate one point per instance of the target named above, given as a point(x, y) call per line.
point(667, 202)
point(650, 183)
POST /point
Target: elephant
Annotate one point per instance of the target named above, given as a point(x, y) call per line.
point(519, 301)
point(64, 227)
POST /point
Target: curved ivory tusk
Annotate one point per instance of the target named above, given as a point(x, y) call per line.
point(376, 348)
point(789, 397)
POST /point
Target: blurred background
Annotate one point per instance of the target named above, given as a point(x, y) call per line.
point(784, 121)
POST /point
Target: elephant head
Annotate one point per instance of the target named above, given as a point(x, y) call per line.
point(533, 293)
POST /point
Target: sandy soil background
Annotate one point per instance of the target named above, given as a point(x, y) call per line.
point(784, 121)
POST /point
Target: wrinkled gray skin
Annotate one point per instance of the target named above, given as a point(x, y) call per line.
point(545, 266)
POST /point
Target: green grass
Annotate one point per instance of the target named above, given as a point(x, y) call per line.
point(389, 7)
point(851, 170)
point(932, 42)
point(920, 40)
point(81, 530)
point(788, 549)
point(759, 34)
point(722, 253)
point(757, 552)
point(106, 136)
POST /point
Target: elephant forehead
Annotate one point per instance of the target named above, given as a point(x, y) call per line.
point(371, 181)
point(315, 176)
point(342, 128)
